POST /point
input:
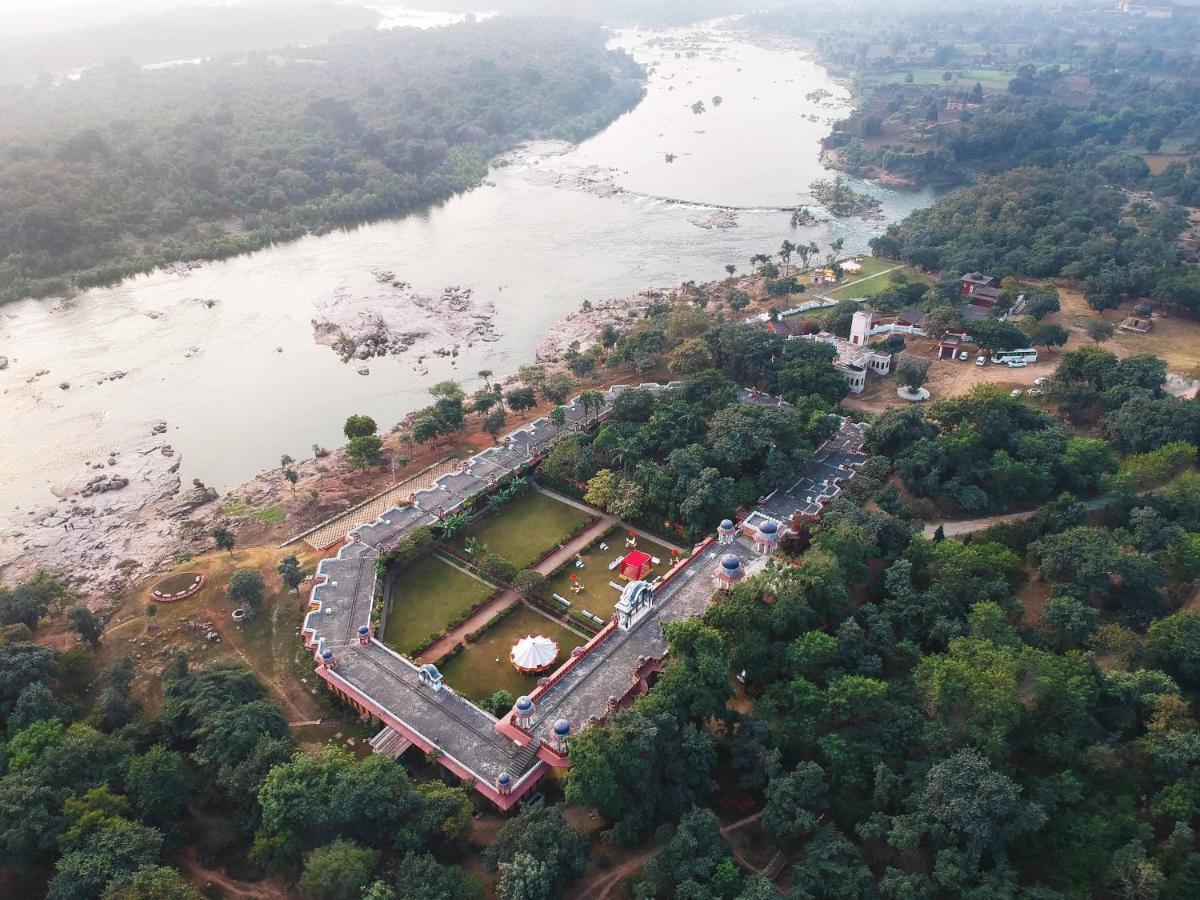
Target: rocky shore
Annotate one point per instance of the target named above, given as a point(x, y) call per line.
point(399, 321)
point(127, 505)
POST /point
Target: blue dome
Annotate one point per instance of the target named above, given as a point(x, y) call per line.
point(731, 563)
point(327, 654)
point(768, 528)
point(562, 728)
point(726, 524)
point(524, 704)
point(504, 779)
point(364, 630)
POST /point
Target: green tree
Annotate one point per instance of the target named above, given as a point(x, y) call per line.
point(494, 423)
point(338, 871)
point(359, 426)
point(520, 399)
point(1048, 335)
point(795, 801)
point(290, 572)
point(84, 621)
point(421, 877)
point(247, 587)
point(1173, 644)
point(223, 538)
point(1099, 330)
point(602, 488)
point(532, 585)
point(912, 372)
point(159, 782)
point(558, 416)
point(558, 388)
point(111, 854)
point(151, 882)
point(691, 356)
point(541, 834)
point(364, 451)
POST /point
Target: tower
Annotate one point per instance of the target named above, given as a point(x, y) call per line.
point(860, 328)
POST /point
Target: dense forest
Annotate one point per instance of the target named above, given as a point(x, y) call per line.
point(127, 169)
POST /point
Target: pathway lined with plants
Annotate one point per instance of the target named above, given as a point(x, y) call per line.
point(502, 601)
point(640, 532)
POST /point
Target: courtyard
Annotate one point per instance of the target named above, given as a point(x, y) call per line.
point(427, 598)
point(590, 590)
point(482, 667)
point(526, 529)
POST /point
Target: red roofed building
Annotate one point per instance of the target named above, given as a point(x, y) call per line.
point(636, 565)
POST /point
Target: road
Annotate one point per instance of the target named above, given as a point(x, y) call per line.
point(967, 526)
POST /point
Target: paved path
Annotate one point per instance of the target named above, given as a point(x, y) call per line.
point(967, 526)
point(504, 600)
point(856, 282)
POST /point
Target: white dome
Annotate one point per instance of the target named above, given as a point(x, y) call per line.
point(534, 652)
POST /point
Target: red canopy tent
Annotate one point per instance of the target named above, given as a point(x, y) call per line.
point(636, 565)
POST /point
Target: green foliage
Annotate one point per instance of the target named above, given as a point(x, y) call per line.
point(247, 587)
point(421, 877)
point(359, 426)
point(543, 835)
point(92, 203)
point(364, 451)
point(339, 870)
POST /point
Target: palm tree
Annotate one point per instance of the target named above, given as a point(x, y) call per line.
point(786, 249)
point(588, 401)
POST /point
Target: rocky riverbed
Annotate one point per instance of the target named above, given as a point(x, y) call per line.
point(397, 320)
point(128, 504)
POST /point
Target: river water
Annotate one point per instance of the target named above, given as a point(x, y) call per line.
point(225, 353)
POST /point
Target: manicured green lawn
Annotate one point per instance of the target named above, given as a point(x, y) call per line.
point(596, 596)
point(483, 667)
point(427, 598)
point(874, 280)
point(991, 79)
point(526, 529)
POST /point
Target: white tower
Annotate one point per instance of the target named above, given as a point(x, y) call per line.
point(860, 327)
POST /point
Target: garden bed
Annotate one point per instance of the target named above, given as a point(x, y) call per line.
point(483, 667)
point(526, 529)
point(429, 597)
point(177, 587)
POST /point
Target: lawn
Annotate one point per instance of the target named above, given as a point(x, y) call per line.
point(483, 666)
point(873, 279)
point(526, 529)
point(426, 599)
point(596, 596)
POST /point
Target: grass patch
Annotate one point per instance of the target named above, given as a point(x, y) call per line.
point(427, 598)
point(875, 279)
point(483, 667)
point(964, 79)
point(270, 514)
point(235, 507)
point(526, 529)
point(1174, 339)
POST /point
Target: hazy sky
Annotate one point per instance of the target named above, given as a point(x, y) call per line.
point(25, 16)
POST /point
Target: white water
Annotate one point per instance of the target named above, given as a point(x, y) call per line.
point(537, 240)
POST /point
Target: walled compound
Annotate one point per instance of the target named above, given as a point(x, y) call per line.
point(504, 758)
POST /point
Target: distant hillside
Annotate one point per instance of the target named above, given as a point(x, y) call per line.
point(179, 34)
point(127, 169)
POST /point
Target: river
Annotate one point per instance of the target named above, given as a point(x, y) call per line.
point(225, 355)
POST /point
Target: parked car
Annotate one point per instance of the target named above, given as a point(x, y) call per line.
point(981, 360)
point(1041, 382)
point(1016, 392)
point(1034, 392)
point(964, 355)
point(1015, 363)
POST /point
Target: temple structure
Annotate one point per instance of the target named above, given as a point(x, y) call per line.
point(504, 758)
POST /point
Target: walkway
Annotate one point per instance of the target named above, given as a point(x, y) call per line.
point(858, 281)
point(334, 530)
point(591, 511)
point(503, 601)
point(968, 526)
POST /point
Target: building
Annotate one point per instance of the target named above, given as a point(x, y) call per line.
point(854, 358)
point(980, 287)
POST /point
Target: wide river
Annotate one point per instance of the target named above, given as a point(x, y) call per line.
point(537, 239)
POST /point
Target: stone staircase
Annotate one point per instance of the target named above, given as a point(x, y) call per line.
point(525, 757)
point(390, 743)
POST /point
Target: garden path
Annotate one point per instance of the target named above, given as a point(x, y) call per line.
point(503, 601)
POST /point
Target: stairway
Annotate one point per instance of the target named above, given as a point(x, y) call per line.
point(525, 757)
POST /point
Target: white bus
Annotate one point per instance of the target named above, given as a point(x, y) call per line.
point(1021, 357)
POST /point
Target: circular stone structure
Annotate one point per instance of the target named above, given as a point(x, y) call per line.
point(533, 653)
point(177, 587)
point(920, 395)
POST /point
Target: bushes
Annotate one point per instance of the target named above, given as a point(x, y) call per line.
point(495, 567)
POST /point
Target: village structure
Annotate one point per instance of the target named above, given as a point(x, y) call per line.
point(504, 758)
